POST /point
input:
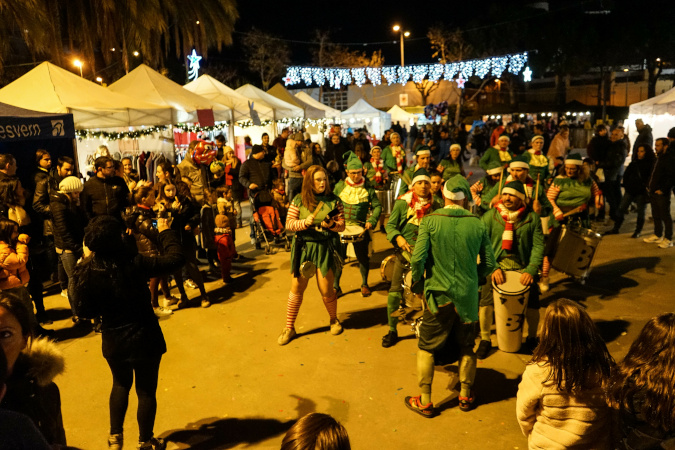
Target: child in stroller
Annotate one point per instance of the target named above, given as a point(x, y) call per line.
point(267, 223)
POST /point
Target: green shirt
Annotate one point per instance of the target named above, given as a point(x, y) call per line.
point(450, 169)
point(357, 214)
point(402, 222)
point(492, 154)
point(390, 161)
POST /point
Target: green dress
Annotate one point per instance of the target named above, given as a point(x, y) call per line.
point(319, 246)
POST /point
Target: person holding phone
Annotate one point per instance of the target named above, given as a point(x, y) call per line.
point(316, 215)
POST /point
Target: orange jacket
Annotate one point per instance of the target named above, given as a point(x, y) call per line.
point(13, 272)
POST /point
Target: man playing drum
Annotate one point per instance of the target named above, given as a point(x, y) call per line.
point(518, 244)
point(423, 159)
point(358, 198)
point(402, 229)
point(481, 191)
point(449, 240)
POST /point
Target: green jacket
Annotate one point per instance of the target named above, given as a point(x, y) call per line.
point(390, 161)
point(357, 214)
point(450, 169)
point(399, 224)
point(449, 243)
point(529, 240)
point(407, 176)
point(492, 154)
point(370, 173)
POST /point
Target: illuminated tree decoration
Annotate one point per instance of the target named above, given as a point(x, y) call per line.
point(517, 62)
point(345, 77)
point(389, 73)
point(194, 59)
point(419, 73)
point(435, 72)
point(374, 75)
point(319, 76)
point(306, 75)
point(450, 71)
point(466, 69)
point(292, 76)
point(359, 74)
point(404, 73)
point(482, 68)
point(331, 75)
point(499, 65)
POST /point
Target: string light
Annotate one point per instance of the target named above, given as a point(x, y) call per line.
point(306, 75)
point(419, 73)
point(404, 73)
point(389, 73)
point(118, 135)
point(374, 75)
point(450, 71)
point(435, 72)
point(359, 74)
point(499, 65)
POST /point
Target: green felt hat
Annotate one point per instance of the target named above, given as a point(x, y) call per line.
point(519, 161)
point(423, 150)
point(494, 168)
point(421, 174)
point(574, 159)
point(352, 162)
point(516, 188)
point(457, 188)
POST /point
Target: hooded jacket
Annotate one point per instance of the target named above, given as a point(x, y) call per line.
point(105, 196)
point(13, 272)
point(32, 391)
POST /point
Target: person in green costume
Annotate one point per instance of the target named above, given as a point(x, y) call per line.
point(374, 168)
point(394, 155)
point(317, 241)
point(450, 240)
point(402, 227)
point(518, 244)
point(358, 198)
point(453, 165)
point(481, 190)
point(537, 161)
point(423, 161)
point(500, 153)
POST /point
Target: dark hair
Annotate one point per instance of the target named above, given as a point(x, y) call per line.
point(316, 431)
point(7, 230)
point(649, 369)
point(307, 192)
point(573, 348)
point(65, 160)
point(103, 235)
point(39, 153)
point(649, 152)
point(20, 312)
point(564, 128)
point(183, 192)
point(664, 141)
point(221, 191)
point(220, 138)
point(125, 158)
point(3, 368)
point(101, 162)
point(160, 190)
point(263, 135)
point(6, 159)
point(599, 127)
point(167, 167)
point(141, 193)
point(278, 182)
point(9, 188)
point(435, 173)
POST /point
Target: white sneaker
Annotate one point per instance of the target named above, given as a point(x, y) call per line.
point(170, 301)
point(543, 284)
point(652, 239)
point(64, 293)
point(286, 336)
point(665, 243)
point(162, 311)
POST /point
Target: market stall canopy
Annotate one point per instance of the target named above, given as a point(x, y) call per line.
point(398, 114)
point(330, 112)
point(212, 89)
point(18, 124)
point(49, 88)
point(658, 112)
point(363, 113)
point(282, 109)
point(310, 112)
point(152, 86)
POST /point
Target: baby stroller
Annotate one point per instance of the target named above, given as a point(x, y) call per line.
point(267, 224)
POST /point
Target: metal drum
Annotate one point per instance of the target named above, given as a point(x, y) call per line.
point(576, 250)
point(510, 302)
point(384, 196)
point(352, 233)
point(387, 268)
point(393, 193)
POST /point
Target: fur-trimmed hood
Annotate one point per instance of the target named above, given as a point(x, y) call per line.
point(43, 361)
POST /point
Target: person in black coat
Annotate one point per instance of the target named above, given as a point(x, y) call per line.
point(256, 176)
point(105, 193)
point(613, 168)
point(635, 181)
point(335, 148)
point(112, 283)
point(660, 184)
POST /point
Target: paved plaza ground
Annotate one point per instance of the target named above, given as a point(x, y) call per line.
point(225, 383)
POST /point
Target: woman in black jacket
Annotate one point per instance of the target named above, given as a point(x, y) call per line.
point(635, 181)
point(112, 283)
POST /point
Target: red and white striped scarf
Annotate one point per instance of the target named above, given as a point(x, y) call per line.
point(422, 206)
point(510, 219)
point(399, 154)
point(350, 183)
point(378, 166)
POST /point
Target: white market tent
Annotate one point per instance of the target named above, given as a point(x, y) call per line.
point(402, 116)
point(331, 113)
point(362, 113)
point(658, 112)
point(151, 86)
point(49, 88)
point(309, 111)
point(282, 109)
point(212, 89)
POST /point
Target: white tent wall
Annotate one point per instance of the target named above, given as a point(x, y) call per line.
point(255, 133)
point(657, 112)
point(362, 114)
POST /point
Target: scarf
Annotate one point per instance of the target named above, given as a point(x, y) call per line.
point(350, 183)
point(399, 154)
point(378, 166)
point(504, 154)
point(420, 206)
point(228, 178)
point(510, 218)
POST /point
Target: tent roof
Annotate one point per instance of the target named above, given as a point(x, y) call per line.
point(310, 111)
point(152, 86)
point(661, 104)
point(330, 112)
point(282, 109)
point(398, 114)
point(362, 108)
point(212, 89)
point(50, 88)
point(14, 111)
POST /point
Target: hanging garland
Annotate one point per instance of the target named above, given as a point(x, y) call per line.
point(194, 128)
point(116, 135)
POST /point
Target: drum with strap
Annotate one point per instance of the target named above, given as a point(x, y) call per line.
point(575, 251)
point(510, 301)
point(351, 234)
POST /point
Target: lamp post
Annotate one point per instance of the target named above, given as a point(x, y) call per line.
point(77, 63)
point(626, 70)
point(403, 35)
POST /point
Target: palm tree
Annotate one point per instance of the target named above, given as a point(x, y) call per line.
point(23, 21)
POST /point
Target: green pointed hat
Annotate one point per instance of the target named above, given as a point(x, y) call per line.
point(574, 159)
point(457, 188)
point(421, 174)
point(352, 162)
point(516, 188)
point(494, 168)
point(519, 161)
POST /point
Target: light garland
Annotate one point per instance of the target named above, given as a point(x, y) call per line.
point(119, 135)
point(337, 77)
point(192, 128)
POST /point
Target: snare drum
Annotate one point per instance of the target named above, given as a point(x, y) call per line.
point(384, 196)
point(510, 301)
point(575, 251)
point(352, 233)
point(387, 268)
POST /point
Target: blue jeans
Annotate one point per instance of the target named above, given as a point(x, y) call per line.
point(68, 260)
point(294, 187)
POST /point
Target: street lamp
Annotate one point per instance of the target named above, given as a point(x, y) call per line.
point(99, 80)
point(626, 70)
point(78, 63)
point(402, 34)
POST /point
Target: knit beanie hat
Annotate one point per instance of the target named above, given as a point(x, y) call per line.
point(70, 184)
point(222, 221)
point(457, 146)
point(298, 137)
point(574, 159)
point(256, 149)
point(515, 188)
point(519, 161)
point(457, 188)
point(494, 168)
point(421, 174)
point(352, 162)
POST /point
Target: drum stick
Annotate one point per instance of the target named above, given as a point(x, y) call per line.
point(573, 211)
point(535, 194)
point(318, 208)
point(501, 177)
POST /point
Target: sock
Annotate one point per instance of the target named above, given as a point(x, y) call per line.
point(331, 306)
point(532, 318)
point(292, 308)
point(485, 318)
point(393, 302)
point(545, 267)
point(425, 399)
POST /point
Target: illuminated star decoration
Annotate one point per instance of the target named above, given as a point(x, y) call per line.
point(287, 80)
point(194, 65)
point(460, 82)
point(527, 74)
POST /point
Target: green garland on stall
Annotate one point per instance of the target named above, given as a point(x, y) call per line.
point(115, 135)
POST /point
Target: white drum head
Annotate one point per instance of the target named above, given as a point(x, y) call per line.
point(512, 285)
point(352, 230)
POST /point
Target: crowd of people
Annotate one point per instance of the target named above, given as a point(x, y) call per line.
point(112, 242)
